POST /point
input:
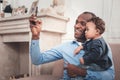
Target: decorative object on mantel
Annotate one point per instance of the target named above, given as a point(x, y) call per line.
point(1, 1)
point(8, 9)
point(57, 8)
point(1, 9)
point(2, 15)
point(19, 11)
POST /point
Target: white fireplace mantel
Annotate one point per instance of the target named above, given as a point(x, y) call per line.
point(16, 28)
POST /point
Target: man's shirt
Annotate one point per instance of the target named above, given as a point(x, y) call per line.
point(65, 51)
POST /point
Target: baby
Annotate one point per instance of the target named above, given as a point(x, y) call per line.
point(95, 57)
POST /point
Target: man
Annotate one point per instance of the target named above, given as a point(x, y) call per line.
point(65, 51)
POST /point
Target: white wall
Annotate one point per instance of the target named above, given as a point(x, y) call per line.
point(76, 7)
point(115, 22)
point(106, 9)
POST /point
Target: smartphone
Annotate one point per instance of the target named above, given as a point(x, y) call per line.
point(36, 11)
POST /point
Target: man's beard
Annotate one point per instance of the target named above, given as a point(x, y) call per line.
point(82, 38)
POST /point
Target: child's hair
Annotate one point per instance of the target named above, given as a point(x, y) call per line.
point(100, 24)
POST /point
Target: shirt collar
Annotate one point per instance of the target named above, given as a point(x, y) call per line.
point(78, 43)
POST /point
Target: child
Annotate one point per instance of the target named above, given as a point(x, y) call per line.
point(95, 57)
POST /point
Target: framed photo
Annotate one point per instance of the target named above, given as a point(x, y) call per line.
point(18, 11)
point(33, 7)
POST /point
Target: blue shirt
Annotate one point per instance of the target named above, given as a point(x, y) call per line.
point(65, 51)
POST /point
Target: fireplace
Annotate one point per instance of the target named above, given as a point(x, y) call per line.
point(15, 38)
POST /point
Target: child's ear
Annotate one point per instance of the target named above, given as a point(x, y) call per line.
point(98, 31)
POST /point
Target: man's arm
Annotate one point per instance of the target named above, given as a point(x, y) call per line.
point(37, 56)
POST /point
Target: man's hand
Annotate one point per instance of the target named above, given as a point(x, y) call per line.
point(74, 71)
point(70, 71)
point(35, 26)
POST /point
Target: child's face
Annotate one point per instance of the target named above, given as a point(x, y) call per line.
point(91, 31)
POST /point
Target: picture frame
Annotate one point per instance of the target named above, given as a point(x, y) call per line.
point(18, 11)
point(33, 7)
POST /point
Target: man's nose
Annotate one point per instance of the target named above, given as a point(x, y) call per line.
point(77, 25)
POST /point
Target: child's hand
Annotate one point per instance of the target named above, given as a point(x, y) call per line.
point(81, 60)
point(77, 50)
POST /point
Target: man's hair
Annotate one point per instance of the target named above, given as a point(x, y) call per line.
point(87, 15)
point(92, 14)
point(100, 24)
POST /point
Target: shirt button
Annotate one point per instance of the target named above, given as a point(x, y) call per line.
point(33, 43)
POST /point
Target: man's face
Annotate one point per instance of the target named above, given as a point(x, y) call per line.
point(79, 28)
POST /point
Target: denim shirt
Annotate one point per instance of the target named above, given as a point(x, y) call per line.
point(65, 51)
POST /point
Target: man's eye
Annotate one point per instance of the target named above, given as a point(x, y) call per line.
point(83, 23)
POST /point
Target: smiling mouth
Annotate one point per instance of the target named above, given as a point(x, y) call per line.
point(78, 31)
